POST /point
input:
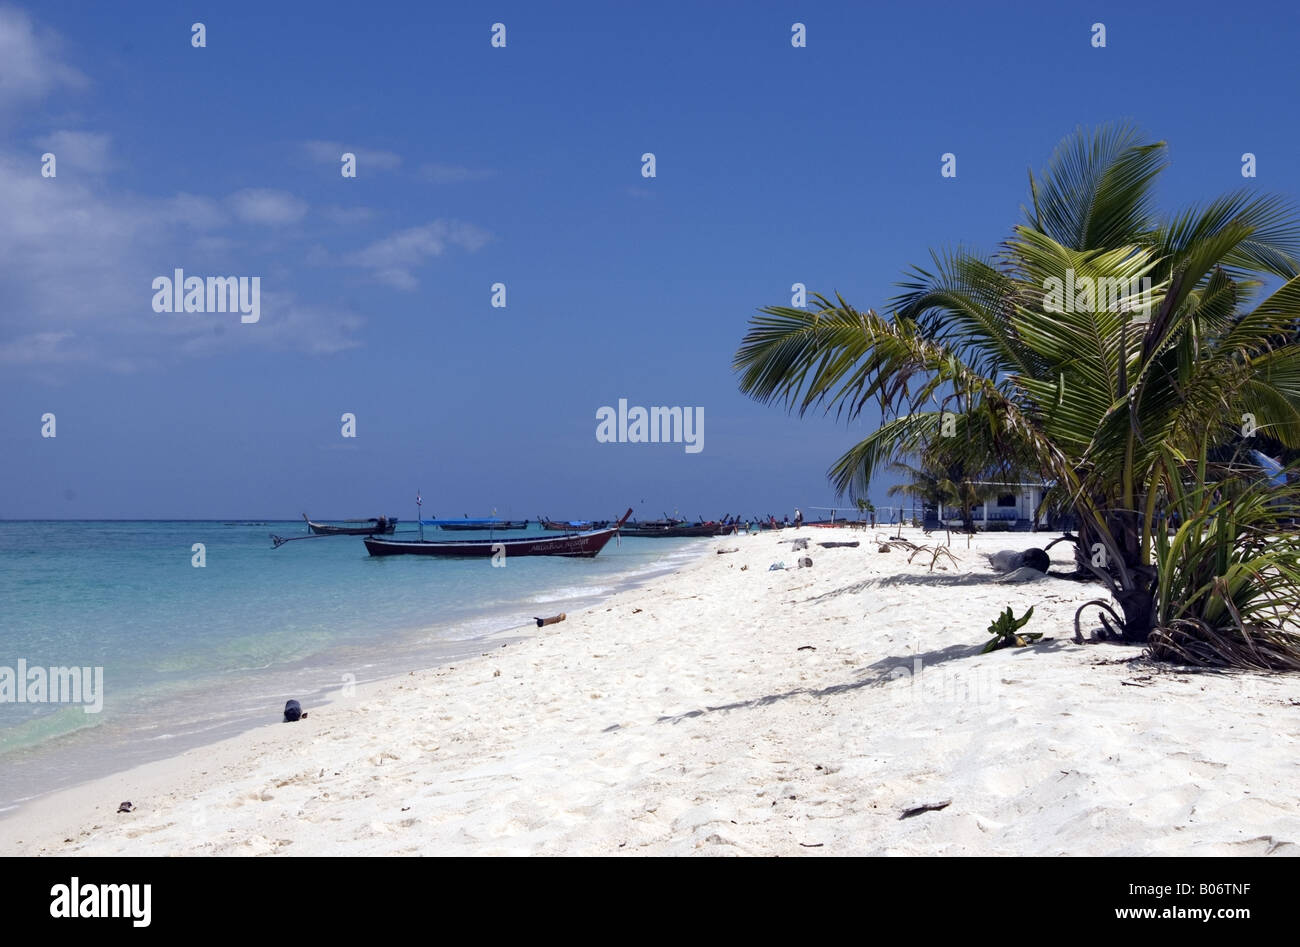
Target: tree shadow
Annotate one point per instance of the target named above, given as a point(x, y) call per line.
point(887, 669)
point(933, 580)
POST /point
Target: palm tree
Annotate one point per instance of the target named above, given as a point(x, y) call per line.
point(936, 484)
point(1117, 397)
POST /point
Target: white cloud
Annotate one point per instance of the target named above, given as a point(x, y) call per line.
point(267, 206)
point(30, 67)
point(286, 323)
point(368, 159)
point(66, 252)
point(396, 278)
point(391, 259)
point(77, 260)
point(347, 216)
point(87, 152)
point(38, 347)
point(453, 173)
point(194, 211)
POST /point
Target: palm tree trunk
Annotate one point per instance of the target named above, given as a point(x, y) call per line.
point(1133, 585)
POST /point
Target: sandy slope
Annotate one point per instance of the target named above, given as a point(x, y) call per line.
point(730, 710)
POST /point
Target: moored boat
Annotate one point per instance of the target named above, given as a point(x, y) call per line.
point(467, 525)
point(681, 531)
point(379, 526)
point(572, 526)
point(579, 545)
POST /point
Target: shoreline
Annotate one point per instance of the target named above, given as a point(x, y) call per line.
point(726, 710)
point(425, 646)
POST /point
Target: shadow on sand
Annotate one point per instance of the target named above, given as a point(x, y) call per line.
point(885, 670)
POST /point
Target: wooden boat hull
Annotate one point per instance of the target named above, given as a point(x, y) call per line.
point(679, 532)
point(557, 527)
point(580, 546)
point(484, 527)
point(324, 529)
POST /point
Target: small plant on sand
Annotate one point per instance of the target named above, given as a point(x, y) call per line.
point(1005, 630)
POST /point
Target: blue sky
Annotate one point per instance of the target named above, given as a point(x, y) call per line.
point(522, 165)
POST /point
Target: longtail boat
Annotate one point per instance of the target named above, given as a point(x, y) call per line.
point(680, 531)
point(580, 545)
point(572, 526)
point(379, 526)
point(467, 524)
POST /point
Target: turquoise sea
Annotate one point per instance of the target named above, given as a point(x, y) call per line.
point(191, 655)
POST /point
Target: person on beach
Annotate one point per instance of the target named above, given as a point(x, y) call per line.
point(798, 518)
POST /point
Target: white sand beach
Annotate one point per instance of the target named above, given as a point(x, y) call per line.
point(727, 709)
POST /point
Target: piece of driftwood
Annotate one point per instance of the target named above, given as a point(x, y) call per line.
point(925, 807)
point(550, 621)
point(852, 545)
point(723, 552)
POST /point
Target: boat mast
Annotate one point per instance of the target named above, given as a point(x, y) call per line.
point(419, 514)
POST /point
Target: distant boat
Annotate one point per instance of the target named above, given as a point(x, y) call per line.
point(680, 531)
point(379, 526)
point(469, 524)
point(572, 526)
point(581, 545)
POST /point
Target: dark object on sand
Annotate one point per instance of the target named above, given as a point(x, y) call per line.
point(549, 621)
point(1008, 560)
point(125, 807)
point(925, 807)
point(1036, 558)
point(852, 545)
point(293, 711)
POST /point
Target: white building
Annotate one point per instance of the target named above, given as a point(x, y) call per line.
point(1013, 508)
